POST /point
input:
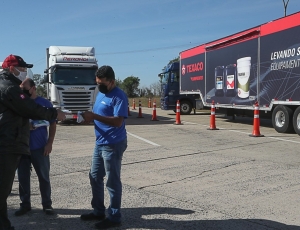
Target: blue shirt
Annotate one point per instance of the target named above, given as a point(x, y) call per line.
point(112, 104)
point(39, 136)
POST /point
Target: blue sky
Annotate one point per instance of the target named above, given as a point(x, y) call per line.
point(135, 37)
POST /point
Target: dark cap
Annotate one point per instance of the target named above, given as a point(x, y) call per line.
point(14, 60)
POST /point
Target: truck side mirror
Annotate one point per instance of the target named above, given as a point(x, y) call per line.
point(46, 79)
point(172, 77)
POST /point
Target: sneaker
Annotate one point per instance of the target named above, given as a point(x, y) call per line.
point(91, 216)
point(106, 223)
point(21, 211)
point(48, 210)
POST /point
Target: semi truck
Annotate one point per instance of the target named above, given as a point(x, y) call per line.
point(260, 64)
point(170, 91)
point(70, 77)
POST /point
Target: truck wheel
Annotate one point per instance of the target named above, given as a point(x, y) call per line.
point(185, 107)
point(296, 120)
point(282, 118)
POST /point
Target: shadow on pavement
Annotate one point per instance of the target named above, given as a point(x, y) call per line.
point(247, 120)
point(146, 120)
point(143, 218)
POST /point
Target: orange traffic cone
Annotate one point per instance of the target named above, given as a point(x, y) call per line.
point(178, 122)
point(140, 110)
point(133, 104)
point(213, 117)
point(149, 103)
point(154, 112)
point(256, 122)
point(129, 110)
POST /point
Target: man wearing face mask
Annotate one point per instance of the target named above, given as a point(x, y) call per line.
point(15, 110)
point(109, 113)
point(40, 148)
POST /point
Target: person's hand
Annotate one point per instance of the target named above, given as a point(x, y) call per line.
point(88, 116)
point(61, 116)
point(47, 149)
point(31, 127)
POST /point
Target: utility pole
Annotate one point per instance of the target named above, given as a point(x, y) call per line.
point(285, 4)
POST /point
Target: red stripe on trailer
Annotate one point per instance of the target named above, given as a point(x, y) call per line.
point(233, 39)
point(192, 52)
point(280, 24)
point(261, 30)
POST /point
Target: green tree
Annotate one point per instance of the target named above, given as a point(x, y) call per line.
point(40, 87)
point(119, 83)
point(156, 88)
point(130, 86)
point(145, 92)
point(174, 60)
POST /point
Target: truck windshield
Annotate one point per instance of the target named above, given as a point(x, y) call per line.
point(74, 76)
point(165, 78)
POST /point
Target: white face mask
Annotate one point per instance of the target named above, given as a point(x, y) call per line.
point(22, 75)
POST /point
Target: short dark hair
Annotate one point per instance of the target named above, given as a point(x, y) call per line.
point(107, 72)
point(31, 82)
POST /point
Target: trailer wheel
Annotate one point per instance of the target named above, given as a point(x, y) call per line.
point(185, 107)
point(296, 120)
point(282, 118)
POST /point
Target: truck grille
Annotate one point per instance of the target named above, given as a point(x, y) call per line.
point(77, 101)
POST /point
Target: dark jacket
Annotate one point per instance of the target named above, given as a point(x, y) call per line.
point(15, 110)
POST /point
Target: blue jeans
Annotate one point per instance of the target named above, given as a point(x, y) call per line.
point(107, 162)
point(41, 165)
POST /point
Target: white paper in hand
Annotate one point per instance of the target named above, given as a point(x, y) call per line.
point(66, 111)
point(39, 123)
point(79, 117)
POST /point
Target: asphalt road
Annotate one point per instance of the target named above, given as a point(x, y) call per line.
point(178, 176)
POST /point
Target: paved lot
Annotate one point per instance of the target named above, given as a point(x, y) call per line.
point(179, 176)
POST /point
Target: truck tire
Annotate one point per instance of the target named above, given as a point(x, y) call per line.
point(185, 107)
point(282, 118)
point(296, 120)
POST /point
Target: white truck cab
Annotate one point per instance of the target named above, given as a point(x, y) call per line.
point(71, 78)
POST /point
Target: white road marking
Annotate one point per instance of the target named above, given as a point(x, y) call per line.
point(191, 123)
point(143, 139)
point(284, 140)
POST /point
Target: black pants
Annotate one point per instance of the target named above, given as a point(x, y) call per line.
point(8, 166)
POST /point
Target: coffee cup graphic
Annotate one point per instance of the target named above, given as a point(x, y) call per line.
point(243, 76)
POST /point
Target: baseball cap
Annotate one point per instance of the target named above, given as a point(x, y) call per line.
point(14, 60)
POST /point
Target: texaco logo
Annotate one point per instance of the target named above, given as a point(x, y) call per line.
point(183, 70)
